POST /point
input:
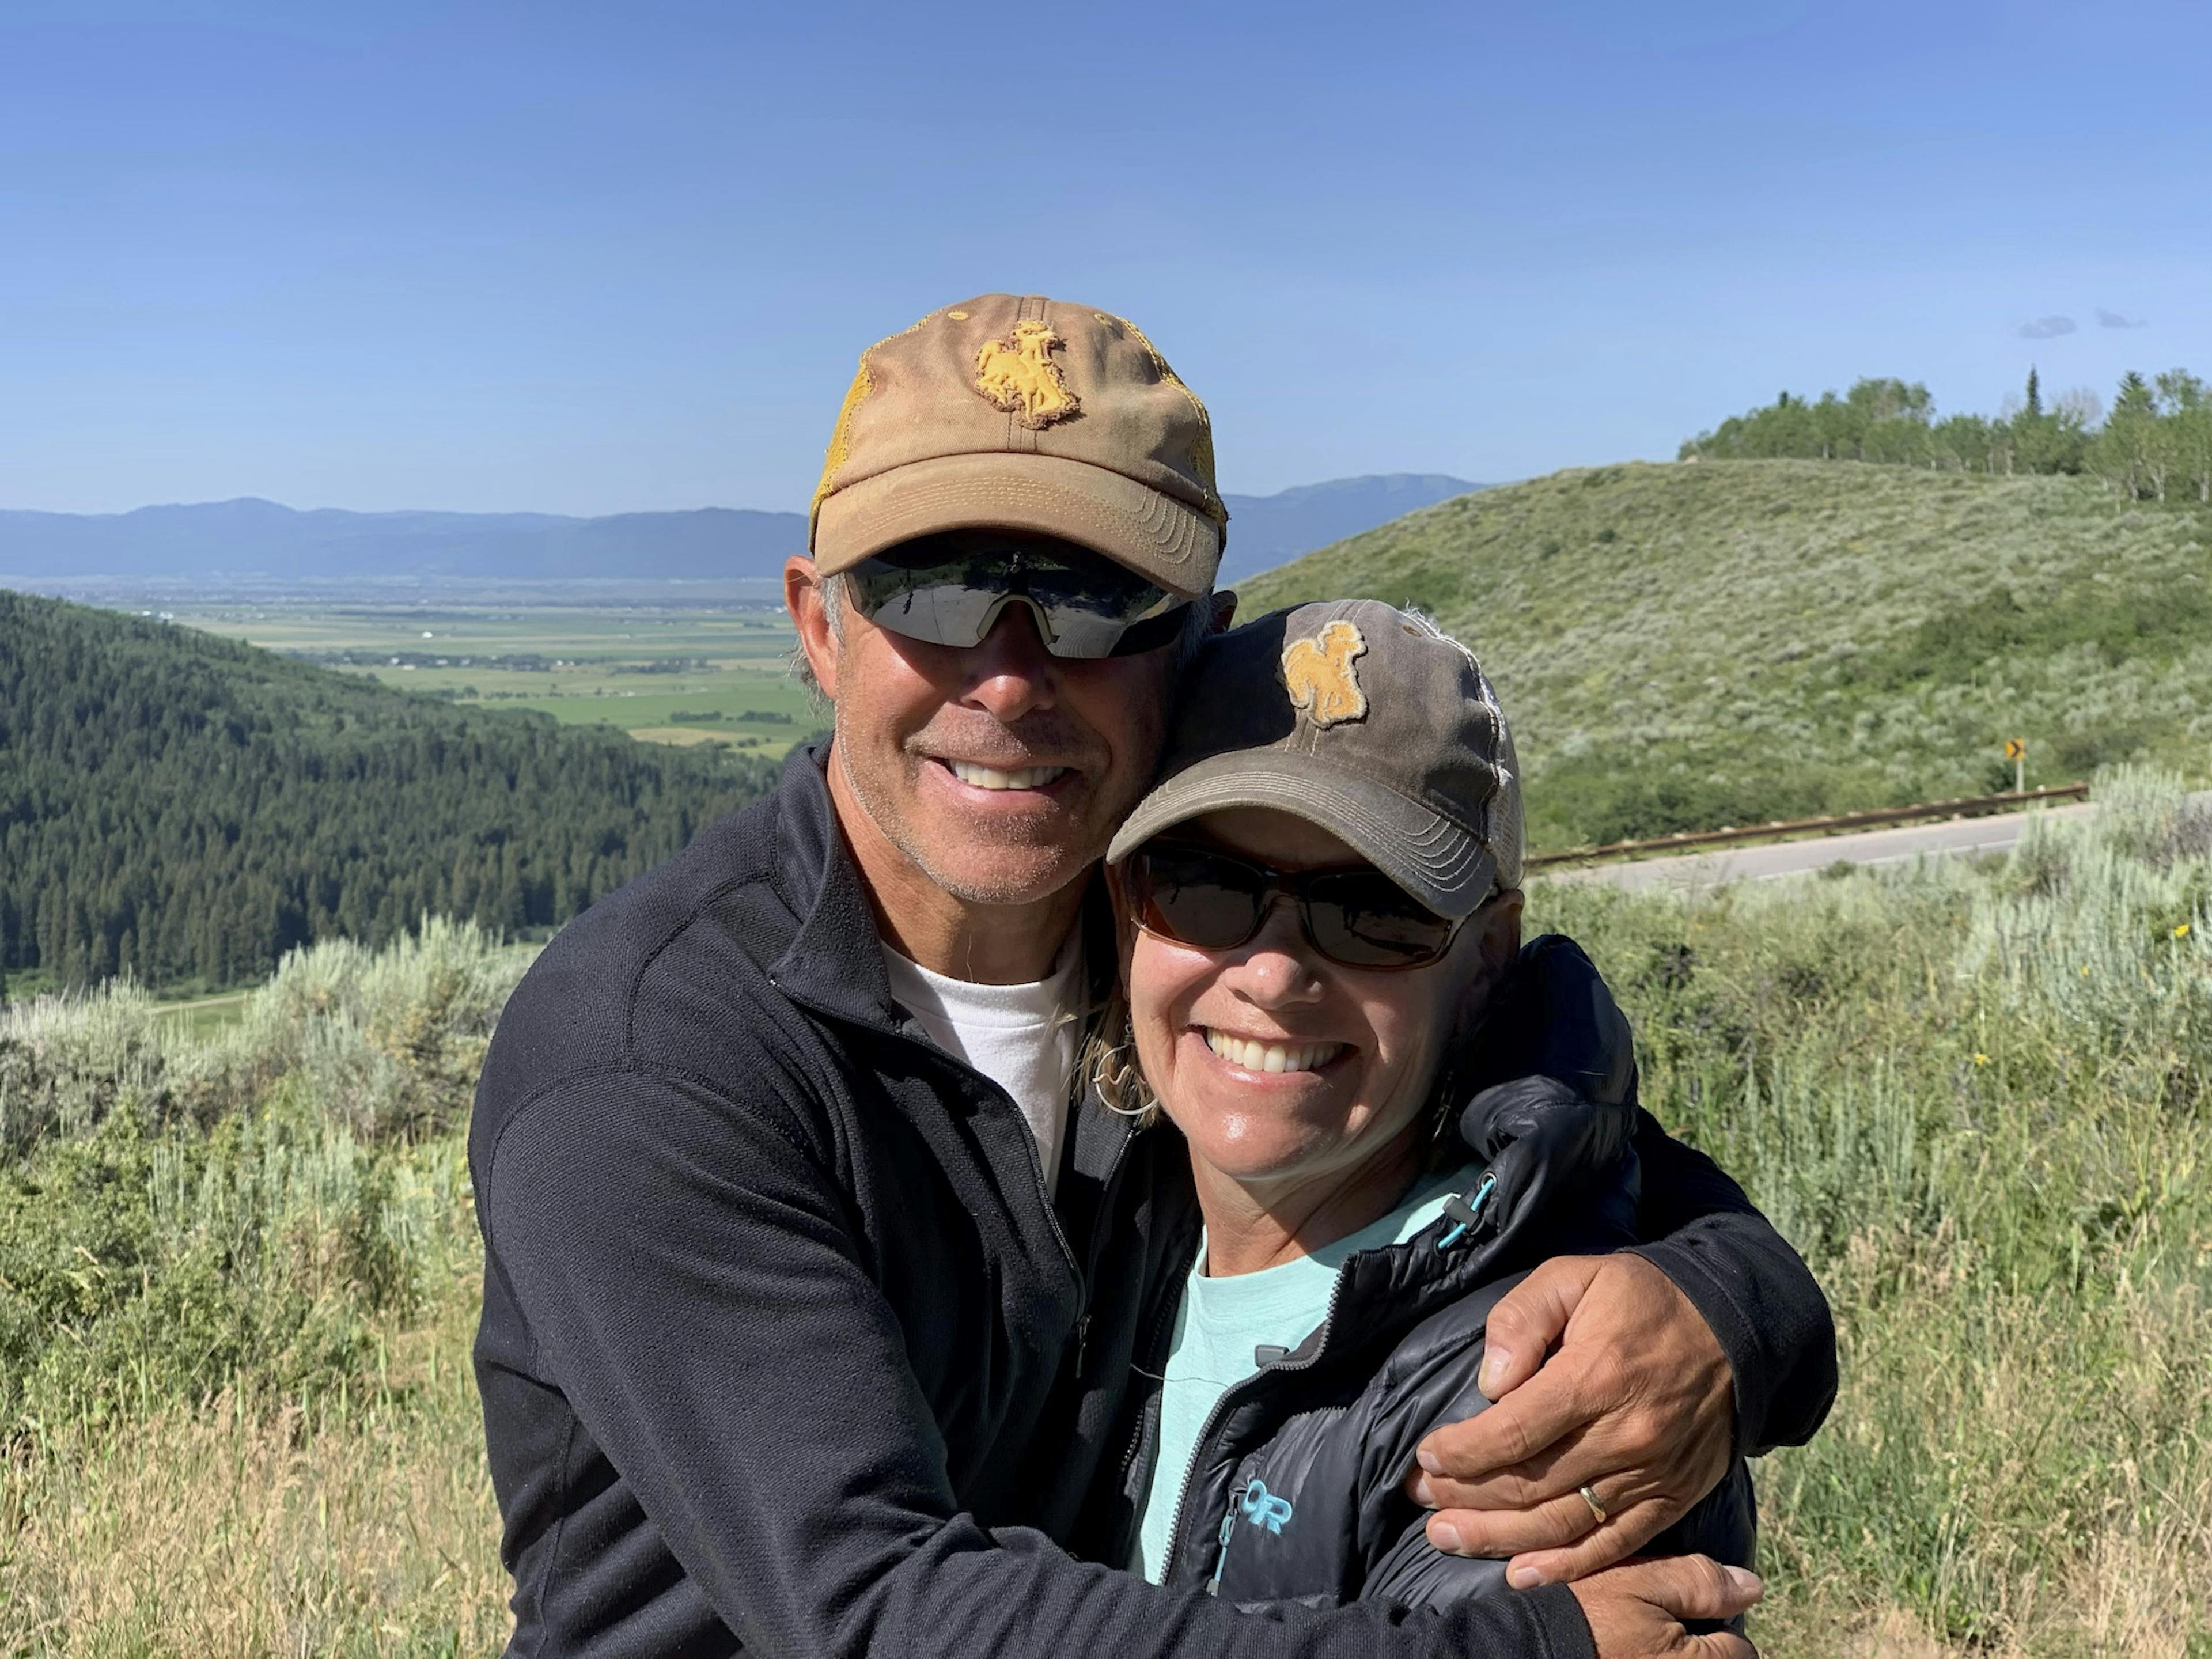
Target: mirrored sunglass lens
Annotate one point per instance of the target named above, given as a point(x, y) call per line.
point(1105, 591)
point(1083, 633)
point(940, 615)
point(1083, 611)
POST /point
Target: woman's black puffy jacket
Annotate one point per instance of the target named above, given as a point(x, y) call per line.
point(1294, 1490)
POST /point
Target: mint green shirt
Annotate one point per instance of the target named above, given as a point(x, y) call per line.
point(1219, 1322)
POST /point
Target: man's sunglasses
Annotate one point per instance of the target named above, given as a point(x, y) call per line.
point(1357, 917)
point(948, 594)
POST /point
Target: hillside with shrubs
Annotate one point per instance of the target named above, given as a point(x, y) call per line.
point(238, 1271)
point(1721, 641)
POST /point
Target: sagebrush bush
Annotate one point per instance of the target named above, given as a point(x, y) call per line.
point(180, 1215)
point(390, 1041)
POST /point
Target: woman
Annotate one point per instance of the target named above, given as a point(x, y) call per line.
point(1320, 945)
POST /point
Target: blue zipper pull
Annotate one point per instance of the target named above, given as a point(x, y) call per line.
point(1467, 1211)
point(1228, 1527)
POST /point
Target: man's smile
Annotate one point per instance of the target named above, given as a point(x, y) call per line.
point(978, 776)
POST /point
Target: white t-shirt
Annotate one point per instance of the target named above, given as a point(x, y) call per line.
point(1023, 1037)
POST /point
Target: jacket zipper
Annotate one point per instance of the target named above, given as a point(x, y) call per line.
point(1150, 1352)
point(1213, 1418)
point(1228, 1531)
point(1088, 1276)
point(1029, 1136)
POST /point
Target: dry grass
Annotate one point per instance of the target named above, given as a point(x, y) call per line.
point(350, 1524)
point(2049, 1474)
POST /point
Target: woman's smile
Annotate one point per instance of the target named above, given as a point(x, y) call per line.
point(1266, 1055)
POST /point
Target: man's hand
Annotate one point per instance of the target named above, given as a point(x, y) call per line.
point(1636, 1612)
point(1638, 1404)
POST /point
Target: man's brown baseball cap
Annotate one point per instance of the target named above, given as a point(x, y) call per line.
point(1018, 412)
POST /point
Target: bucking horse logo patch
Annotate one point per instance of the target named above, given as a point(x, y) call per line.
point(1019, 376)
point(1318, 674)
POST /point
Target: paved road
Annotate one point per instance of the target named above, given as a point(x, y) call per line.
point(1994, 834)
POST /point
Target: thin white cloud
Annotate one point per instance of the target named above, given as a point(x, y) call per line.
point(2114, 319)
point(2047, 328)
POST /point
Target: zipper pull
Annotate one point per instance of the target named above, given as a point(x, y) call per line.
point(1467, 1211)
point(1082, 1346)
point(1228, 1526)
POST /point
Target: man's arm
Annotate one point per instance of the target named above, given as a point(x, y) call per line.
point(687, 1305)
point(1713, 1337)
point(1755, 1292)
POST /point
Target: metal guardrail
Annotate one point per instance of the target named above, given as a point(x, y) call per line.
point(1974, 806)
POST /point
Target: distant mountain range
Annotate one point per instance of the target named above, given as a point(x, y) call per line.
point(249, 536)
point(1266, 530)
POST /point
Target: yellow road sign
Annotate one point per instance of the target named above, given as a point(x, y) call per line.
point(2015, 750)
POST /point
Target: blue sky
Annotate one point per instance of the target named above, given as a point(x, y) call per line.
point(597, 258)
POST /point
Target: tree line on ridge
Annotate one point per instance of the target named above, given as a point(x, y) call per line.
point(2154, 444)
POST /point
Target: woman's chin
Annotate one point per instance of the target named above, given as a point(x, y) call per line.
point(1250, 1167)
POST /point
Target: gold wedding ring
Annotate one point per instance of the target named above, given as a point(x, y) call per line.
point(1590, 1498)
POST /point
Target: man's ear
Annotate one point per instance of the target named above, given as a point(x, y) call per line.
point(802, 596)
point(1224, 611)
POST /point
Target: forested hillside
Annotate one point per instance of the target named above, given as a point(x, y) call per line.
point(1684, 647)
point(185, 809)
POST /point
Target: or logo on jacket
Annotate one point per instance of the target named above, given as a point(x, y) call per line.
point(1265, 1509)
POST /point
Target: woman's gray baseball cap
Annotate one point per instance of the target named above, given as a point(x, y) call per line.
point(1360, 718)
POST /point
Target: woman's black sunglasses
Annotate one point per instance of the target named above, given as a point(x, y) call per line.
point(1357, 917)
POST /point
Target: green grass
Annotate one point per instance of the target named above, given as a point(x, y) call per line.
point(201, 1017)
point(1726, 642)
point(237, 1270)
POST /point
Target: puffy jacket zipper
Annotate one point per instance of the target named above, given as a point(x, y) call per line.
point(1213, 1421)
point(1228, 1531)
point(1281, 1367)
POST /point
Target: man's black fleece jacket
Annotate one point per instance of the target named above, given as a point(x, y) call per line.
point(786, 1351)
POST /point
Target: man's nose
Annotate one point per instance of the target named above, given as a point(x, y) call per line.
point(1010, 673)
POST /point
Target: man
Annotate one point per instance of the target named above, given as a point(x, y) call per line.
point(808, 1299)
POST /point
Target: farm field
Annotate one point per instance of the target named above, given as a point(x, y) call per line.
point(658, 661)
point(238, 1271)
